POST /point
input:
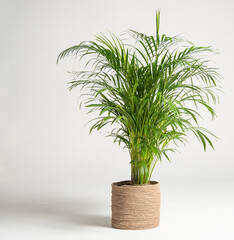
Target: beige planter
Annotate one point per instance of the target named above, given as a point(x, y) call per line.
point(135, 206)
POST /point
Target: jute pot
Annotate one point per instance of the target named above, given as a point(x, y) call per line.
point(135, 206)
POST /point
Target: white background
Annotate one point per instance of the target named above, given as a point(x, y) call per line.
point(54, 177)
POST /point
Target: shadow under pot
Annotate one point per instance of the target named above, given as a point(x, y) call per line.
point(135, 207)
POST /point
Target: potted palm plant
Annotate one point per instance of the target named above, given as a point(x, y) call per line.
point(151, 89)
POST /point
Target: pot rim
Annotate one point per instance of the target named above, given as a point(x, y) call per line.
point(127, 183)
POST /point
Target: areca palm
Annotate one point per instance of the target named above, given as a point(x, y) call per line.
point(151, 88)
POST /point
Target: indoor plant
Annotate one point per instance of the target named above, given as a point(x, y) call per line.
point(151, 90)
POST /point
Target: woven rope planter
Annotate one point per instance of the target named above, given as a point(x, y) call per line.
point(135, 206)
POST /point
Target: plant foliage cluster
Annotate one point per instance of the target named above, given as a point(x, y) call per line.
point(151, 88)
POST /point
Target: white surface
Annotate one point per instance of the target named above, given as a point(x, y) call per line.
point(192, 211)
point(46, 154)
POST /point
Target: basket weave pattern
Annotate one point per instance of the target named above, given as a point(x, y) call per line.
point(135, 206)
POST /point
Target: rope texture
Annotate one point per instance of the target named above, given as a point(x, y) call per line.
point(135, 206)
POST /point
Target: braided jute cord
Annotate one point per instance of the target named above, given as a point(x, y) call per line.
point(135, 206)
